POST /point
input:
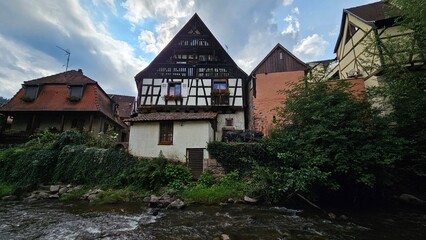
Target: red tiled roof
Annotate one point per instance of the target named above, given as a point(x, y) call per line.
point(69, 77)
point(52, 96)
point(173, 116)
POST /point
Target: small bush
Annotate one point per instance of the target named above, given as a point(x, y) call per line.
point(177, 176)
point(5, 189)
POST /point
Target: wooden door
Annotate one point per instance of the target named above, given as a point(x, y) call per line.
point(195, 161)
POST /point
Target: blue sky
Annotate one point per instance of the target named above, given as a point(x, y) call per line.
point(112, 40)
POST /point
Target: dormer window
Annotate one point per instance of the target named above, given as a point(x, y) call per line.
point(31, 93)
point(75, 93)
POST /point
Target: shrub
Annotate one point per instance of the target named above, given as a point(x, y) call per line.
point(5, 189)
point(177, 176)
point(70, 137)
point(236, 156)
point(145, 174)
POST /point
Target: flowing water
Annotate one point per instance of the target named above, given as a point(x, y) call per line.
point(57, 220)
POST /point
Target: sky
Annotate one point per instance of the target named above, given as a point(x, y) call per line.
point(113, 40)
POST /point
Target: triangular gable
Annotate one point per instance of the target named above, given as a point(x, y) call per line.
point(377, 14)
point(193, 34)
point(279, 59)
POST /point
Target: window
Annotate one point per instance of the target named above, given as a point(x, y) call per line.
point(166, 133)
point(220, 86)
point(229, 122)
point(174, 90)
point(31, 92)
point(351, 30)
point(75, 91)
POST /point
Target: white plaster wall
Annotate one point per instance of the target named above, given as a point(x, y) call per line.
point(144, 137)
point(221, 121)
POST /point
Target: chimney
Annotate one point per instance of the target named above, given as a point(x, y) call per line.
point(80, 71)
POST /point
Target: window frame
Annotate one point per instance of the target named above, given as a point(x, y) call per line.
point(220, 83)
point(34, 93)
point(166, 133)
point(79, 91)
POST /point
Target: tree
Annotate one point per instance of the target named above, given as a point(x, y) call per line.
point(328, 137)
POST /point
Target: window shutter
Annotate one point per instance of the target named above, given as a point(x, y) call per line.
point(164, 89)
point(184, 90)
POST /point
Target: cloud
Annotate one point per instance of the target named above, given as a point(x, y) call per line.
point(169, 15)
point(287, 2)
point(295, 10)
point(293, 27)
point(148, 42)
point(18, 63)
point(311, 47)
point(43, 25)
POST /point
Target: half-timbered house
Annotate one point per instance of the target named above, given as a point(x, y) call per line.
point(279, 70)
point(189, 95)
point(364, 45)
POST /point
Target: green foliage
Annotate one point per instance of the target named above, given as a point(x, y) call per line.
point(334, 139)
point(25, 168)
point(177, 176)
point(236, 156)
point(116, 196)
point(145, 174)
point(70, 137)
point(42, 139)
point(226, 187)
point(5, 189)
point(206, 179)
point(104, 140)
point(75, 195)
point(85, 165)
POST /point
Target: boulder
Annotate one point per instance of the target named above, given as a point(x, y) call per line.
point(225, 237)
point(249, 200)
point(42, 195)
point(54, 196)
point(54, 188)
point(9, 198)
point(63, 190)
point(176, 204)
point(410, 199)
point(92, 197)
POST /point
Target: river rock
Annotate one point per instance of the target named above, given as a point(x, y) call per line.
point(332, 216)
point(249, 200)
point(147, 199)
point(92, 197)
point(410, 199)
point(176, 204)
point(42, 195)
point(225, 237)
point(54, 196)
point(62, 190)
point(54, 188)
point(9, 198)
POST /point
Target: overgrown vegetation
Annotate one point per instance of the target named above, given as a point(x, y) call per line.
point(326, 139)
point(210, 190)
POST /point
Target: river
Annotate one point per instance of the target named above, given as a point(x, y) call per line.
point(78, 220)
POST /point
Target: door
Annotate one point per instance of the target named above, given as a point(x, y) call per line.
point(195, 161)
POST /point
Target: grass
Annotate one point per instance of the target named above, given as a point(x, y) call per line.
point(215, 193)
point(5, 189)
point(75, 195)
point(118, 195)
